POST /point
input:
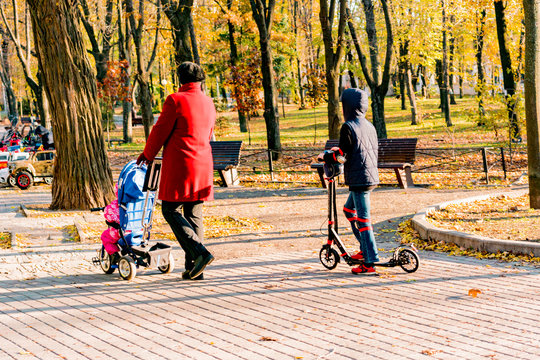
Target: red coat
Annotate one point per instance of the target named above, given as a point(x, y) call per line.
point(184, 129)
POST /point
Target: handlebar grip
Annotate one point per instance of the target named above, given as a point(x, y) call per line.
point(97, 209)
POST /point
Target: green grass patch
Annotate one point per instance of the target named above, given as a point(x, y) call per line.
point(310, 126)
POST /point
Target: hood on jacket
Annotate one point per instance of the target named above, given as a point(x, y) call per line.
point(355, 103)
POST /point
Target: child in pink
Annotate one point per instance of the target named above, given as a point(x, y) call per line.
point(110, 237)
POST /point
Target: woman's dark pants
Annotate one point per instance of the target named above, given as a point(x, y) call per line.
point(186, 222)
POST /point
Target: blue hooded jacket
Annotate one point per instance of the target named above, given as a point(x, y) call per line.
point(358, 140)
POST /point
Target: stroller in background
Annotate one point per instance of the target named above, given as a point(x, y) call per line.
point(137, 190)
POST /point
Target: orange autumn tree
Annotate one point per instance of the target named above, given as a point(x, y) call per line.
point(245, 83)
point(113, 89)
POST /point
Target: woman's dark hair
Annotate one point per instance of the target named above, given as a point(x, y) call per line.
point(190, 72)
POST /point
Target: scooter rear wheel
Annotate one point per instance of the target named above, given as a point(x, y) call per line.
point(408, 260)
point(329, 257)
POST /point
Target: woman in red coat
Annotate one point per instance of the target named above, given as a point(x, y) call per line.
point(184, 129)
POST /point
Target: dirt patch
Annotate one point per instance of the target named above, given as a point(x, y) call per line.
point(43, 211)
point(501, 217)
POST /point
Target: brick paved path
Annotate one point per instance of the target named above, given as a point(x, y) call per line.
point(278, 304)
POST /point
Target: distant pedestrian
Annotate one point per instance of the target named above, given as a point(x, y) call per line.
point(184, 129)
point(47, 139)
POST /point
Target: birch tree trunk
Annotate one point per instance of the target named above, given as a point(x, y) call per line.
point(82, 176)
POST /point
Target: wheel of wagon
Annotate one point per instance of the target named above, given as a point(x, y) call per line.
point(127, 268)
point(169, 267)
point(24, 180)
point(11, 181)
point(105, 261)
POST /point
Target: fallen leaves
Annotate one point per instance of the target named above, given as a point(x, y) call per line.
point(267, 338)
point(474, 292)
point(410, 236)
point(502, 217)
point(5, 240)
point(430, 352)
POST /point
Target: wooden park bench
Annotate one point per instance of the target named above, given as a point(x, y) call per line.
point(226, 156)
point(117, 141)
point(397, 154)
point(135, 119)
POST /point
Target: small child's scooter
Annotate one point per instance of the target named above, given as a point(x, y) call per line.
point(329, 257)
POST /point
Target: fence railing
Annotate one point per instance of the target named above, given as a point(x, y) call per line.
point(428, 160)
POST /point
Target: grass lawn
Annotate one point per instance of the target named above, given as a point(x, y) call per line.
point(309, 127)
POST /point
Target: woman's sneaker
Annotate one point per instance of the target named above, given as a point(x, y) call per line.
point(364, 270)
point(358, 256)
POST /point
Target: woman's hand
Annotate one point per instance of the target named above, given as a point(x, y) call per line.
point(142, 159)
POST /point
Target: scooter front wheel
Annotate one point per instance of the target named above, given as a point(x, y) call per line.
point(329, 257)
point(408, 260)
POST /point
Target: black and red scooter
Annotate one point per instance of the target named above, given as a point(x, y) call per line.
point(406, 258)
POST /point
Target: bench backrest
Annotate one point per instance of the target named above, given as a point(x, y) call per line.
point(225, 153)
point(399, 150)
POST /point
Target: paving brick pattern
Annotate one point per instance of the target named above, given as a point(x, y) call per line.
point(281, 307)
point(54, 304)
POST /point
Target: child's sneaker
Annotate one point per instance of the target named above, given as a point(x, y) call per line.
point(358, 256)
point(364, 270)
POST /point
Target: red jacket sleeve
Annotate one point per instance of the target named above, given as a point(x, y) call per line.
point(161, 130)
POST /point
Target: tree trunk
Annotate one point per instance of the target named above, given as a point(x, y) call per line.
point(333, 59)
point(377, 106)
point(82, 176)
point(451, 67)
point(423, 71)
point(234, 59)
point(179, 14)
point(402, 68)
point(145, 99)
point(271, 116)
point(444, 70)
point(479, 42)
point(124, 40)
point(508, 72)
point(532, 97)
point(378, 84)
point(334, 120)
point(411, 95)
point(5, 75)
point(263, 15)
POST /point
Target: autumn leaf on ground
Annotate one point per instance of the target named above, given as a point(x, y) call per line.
point(474, 292)
point(430, 352)
point(267, 338)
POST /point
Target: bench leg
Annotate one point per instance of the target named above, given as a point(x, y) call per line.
point(408, 176)
point(400, 181)
point(320, 171)
point(229, 177)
